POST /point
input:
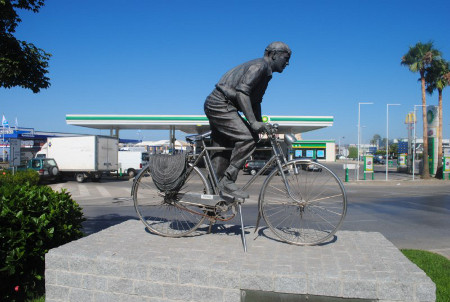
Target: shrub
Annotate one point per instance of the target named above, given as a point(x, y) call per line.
point(352, 152)
point(19, 178)
point(33, 219)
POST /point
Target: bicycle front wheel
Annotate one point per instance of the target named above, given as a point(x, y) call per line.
point(311, 211)
point(164, 215)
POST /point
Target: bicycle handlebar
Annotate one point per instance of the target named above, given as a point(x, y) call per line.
point(271, 129)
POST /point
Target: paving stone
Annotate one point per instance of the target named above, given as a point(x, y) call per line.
point(55, 292)
point(50, 276)
point(194, 276)
point(80, 295)
point(360, 289)
point(325, 287)
point(224, 279)
point(65, 278)
point(207, 294)
point(160, 273)
point(148, 289)
point(120, 285)
point(94, 282)
point(231, 295)
point(126, 263)
point(295, 285)
point(256, 282)
point(178, 292)
point(426, 292)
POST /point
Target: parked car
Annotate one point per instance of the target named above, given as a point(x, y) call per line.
point(253, 166)
point(45, 167)
point(379, 160)
point(310, 167)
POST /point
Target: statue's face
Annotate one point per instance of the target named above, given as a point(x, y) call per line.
point(280, 61)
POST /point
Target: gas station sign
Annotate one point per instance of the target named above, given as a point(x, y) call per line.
point(368, 166)
point(368, 163)
point(446, 164)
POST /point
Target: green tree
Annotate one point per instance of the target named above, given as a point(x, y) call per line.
point(375, 140)
point(352, 152)
point(393, 148)
point(437, 78)
point(21, 63)
point(418, 59)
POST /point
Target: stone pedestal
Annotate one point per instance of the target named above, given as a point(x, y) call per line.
point(127, 263)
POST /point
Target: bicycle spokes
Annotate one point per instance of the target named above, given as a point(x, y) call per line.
point(306, 209)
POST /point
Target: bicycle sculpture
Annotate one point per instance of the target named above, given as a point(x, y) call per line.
point(302, 202)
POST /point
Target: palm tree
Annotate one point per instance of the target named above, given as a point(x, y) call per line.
point(418, 58)
point(437, 77)
point(375, 140)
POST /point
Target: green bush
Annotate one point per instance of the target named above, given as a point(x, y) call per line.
point(33, 219)
point(19, 178)
point(352, 152)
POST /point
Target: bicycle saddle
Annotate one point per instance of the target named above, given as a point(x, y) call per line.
point(197, 137)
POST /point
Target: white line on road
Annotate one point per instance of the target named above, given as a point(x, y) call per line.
point(57, 187)
point(103, 191)
point(83, 190)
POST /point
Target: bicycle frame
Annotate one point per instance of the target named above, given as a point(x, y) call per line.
point(277, 157)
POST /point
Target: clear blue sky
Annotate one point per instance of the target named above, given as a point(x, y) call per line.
point(164, 57)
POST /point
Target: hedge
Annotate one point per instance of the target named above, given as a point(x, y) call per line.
point(33, 219)
point(20, 177)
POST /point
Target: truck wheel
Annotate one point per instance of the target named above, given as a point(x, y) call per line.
point(131, 173)
point(253, 172)
point(80, 177)
point(96, 177)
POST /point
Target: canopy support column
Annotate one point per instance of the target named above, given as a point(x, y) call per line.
point(114, 133)
point(172, 139)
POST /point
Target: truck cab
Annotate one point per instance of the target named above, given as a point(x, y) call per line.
point(131, 162)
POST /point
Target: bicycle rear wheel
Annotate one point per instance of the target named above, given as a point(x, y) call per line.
point(164, 215)
point(314, 210)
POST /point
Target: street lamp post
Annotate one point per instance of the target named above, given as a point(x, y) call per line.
point(414, 148)
point(339, 147)
point(387, 136)
point(359, 132)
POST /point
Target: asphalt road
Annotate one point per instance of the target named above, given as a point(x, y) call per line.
point(410, 214)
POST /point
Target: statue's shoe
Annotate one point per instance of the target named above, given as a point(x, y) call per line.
point(230, 188)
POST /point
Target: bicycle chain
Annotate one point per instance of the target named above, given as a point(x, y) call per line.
point(217, 217)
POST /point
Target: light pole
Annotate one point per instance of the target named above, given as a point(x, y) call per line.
point(387, 136)
point(414, 148)
point(339, 148)
point(359, 132)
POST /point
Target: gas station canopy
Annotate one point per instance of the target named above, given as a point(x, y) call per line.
point(191, 124)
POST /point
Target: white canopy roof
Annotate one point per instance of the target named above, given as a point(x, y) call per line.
point(190, 124)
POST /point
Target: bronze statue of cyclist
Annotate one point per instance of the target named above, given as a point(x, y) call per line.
point(241, 89)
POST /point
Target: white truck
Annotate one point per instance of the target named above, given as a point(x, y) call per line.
point(82, 157)
point(131, 162)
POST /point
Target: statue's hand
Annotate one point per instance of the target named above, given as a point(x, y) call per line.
point(258, 126)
